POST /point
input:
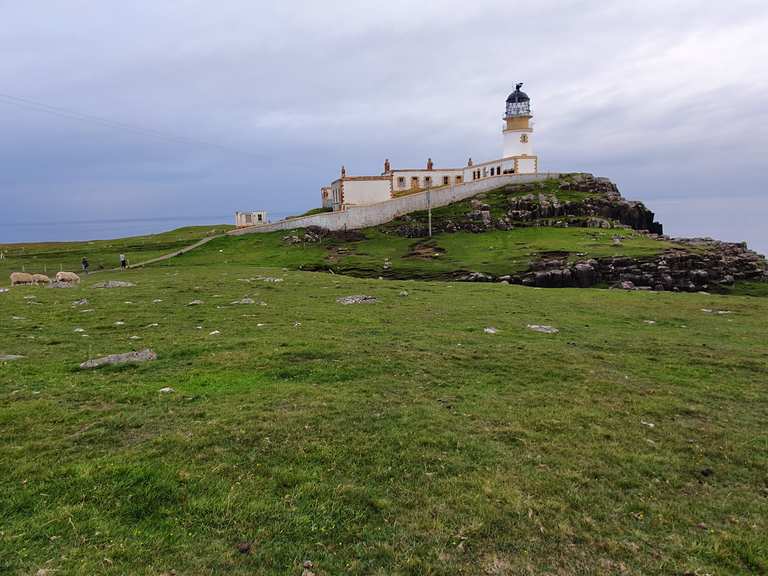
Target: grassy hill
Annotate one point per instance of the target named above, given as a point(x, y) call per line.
point(389, 438)
point(50, 257)
point(373, 253)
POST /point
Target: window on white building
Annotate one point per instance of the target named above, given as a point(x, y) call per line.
point(446, 180)
point(401, 181)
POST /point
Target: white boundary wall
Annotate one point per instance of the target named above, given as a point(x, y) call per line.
point(374, 214)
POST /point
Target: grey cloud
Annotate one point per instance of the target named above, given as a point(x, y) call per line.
point(665, 98)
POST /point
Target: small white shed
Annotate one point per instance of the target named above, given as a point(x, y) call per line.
point(244, 219)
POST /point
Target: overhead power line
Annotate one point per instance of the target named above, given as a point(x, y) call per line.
point(116, 124)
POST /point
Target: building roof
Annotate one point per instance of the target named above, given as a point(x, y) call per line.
point(518, 95)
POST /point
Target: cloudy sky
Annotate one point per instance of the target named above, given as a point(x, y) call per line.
point(122, 117)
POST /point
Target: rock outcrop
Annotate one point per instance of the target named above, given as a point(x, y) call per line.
point(596, 203)
point(708, 264)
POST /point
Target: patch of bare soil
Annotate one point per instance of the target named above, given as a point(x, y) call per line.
point(425, 250)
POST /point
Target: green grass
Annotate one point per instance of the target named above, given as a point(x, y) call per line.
point(50, 257)
point(312, 211)
point(389, 438)
point(494, 252)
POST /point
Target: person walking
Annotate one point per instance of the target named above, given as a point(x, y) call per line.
point(123, 262)
point(84, 263)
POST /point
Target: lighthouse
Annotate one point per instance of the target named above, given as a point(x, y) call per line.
point(518, 132)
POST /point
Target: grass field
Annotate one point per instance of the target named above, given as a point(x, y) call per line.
point(388, 438)
point(494, 252)
point(50, 257)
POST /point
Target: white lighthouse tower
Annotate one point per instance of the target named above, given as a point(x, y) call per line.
point(518, 133)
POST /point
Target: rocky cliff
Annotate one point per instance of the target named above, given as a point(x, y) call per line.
point(577, 200)
point(582, 200)
point(706, 265)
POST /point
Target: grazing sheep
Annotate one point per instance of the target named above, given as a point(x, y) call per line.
point(70, 277)
point(40, 279)
point(18, 278)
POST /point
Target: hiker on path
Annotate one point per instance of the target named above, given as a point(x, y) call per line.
point(123, 262)
point(85, 264)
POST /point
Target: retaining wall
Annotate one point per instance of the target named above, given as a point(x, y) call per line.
point(374, 214)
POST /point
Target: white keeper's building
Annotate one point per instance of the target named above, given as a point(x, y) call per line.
point(517, 158)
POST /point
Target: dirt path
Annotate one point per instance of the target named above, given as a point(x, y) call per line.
point(177, 253)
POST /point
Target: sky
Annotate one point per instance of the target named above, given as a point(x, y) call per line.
point(129, 117)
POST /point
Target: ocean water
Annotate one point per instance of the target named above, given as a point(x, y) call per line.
point(82, 230)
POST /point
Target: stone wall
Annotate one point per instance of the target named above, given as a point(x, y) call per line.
point(375, 214)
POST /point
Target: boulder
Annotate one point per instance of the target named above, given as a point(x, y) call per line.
point(543, 328)
point(356, 299)
point(114, 284)
point(145, 355)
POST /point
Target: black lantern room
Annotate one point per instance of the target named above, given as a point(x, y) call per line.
point(518, 103)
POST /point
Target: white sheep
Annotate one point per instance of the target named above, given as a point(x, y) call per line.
point(67, 277)
point(19, 278)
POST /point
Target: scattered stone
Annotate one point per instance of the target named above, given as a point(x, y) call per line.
point(245, 300)
point(127, 302)
point(356, 299)
point(195, 303)
point(649, 321)
point(114, 284)
point(134, 337)
point(157, 300)
point(167, 390)
point(81, 302)
point(627, 285)
point(128, 357)
point(9, 357)
point(78, 330)
point(119, 323)
point(296, 324)
point(60, 284)
point(214, 333)
point(403, 293)
point(706, 310)
point(724, 312)
point(542, 328)
point(490, 330)
point(267, 279)
point(3, 290)
point(29, 297)
point(649, 424)
point(477, 277)
point(153, 325)
point(18, 318)
point(87, 311)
